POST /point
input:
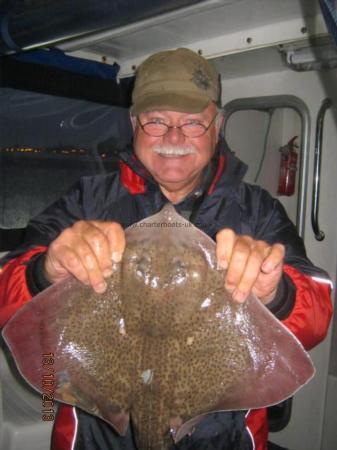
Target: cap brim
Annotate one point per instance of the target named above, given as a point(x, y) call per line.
point(170, 102)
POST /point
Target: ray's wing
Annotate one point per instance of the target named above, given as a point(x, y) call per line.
point(243, 358)
point(71, 343)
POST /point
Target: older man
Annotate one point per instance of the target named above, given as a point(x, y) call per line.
point(177, 156)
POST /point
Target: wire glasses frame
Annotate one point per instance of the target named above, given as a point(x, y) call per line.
point(159, 129)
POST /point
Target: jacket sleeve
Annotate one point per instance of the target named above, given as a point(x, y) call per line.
point(310, 317)
point(41, 230)
point(14, 291)
point(311, 312)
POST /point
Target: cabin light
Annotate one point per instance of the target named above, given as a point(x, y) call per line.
point(311, 58)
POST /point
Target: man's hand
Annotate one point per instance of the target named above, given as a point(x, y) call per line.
point(86, 250)
point(252, 266)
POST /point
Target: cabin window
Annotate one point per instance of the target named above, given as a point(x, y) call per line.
point(46, 144)
point(257, 137)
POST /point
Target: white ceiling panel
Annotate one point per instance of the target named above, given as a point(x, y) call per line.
point(215, 27)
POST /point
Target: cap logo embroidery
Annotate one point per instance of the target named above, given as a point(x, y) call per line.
point(201, 80)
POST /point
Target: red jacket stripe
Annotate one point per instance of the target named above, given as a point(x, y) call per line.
point(133, 182)
point(257, 424)
point(65, 429)
point(219, 170)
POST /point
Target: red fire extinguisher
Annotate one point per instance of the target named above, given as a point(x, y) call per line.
point(288, 168)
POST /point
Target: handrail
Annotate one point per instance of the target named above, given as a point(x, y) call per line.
point(319, 234)
point(283, 101)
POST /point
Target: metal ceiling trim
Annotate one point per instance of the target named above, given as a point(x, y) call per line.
point(29, 26)
point(79, 43)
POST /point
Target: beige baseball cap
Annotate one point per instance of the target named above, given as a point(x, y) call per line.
point(175, 80)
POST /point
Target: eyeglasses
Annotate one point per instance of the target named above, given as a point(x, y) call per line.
point(190, 129)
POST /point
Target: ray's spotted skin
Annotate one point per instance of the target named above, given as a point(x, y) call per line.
point(160, 352)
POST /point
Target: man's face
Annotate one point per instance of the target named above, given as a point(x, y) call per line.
point(174, 160)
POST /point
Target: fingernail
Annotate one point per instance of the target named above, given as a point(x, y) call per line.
point(267, 267)
point(107, 273)
point(116, 257)
point(100, 288)
point(239, 296)
point(222, 264)
point(229, 287)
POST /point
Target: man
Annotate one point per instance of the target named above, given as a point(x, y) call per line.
point(177, 156)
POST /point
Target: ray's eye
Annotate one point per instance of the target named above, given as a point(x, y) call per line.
point(143, 267)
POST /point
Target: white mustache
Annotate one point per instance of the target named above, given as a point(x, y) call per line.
point(173, 150)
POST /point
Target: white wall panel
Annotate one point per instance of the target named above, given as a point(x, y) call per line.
point(305, 429)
